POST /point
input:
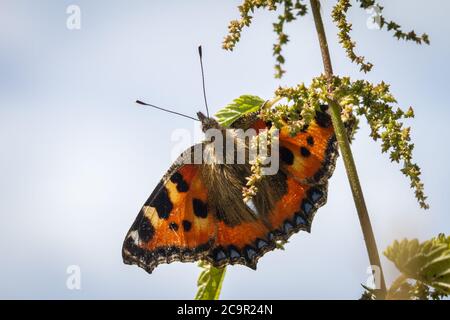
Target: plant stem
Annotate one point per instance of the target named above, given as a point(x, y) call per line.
point(344, 146)
point(210, 282)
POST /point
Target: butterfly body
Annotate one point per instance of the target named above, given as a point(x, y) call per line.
point(197, 211)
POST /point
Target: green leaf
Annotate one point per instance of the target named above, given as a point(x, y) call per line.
point(243, 105)
point(427, 262)
point(209, 282)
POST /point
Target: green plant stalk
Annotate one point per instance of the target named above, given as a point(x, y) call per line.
point(210, 282)
point(344, 146)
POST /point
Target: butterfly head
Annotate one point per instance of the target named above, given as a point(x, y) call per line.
point(207, 122)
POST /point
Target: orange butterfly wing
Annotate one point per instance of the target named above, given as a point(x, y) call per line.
point(173, 224)
point(177, 223)
point(307, 161)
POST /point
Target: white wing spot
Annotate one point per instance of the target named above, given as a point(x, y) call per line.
point(135, 236)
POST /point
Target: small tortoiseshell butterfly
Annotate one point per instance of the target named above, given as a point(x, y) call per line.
point(197, 212)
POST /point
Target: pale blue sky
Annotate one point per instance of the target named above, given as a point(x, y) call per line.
point(78, 157)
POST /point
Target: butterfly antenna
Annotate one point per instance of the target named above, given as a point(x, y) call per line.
point(203, 79)
point(166, 110)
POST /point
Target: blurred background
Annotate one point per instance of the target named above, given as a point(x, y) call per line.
point(79, 157)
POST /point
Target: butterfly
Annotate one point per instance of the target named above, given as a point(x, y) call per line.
point(196, 212)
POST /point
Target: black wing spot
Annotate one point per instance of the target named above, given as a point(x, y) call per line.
point(173, 226)
point(200, 208)
point(286, 156)
point(310, 140)
point(187, 225)
point(161, 203)
point(182, 185)
point(305, 152)
point(146, 231)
